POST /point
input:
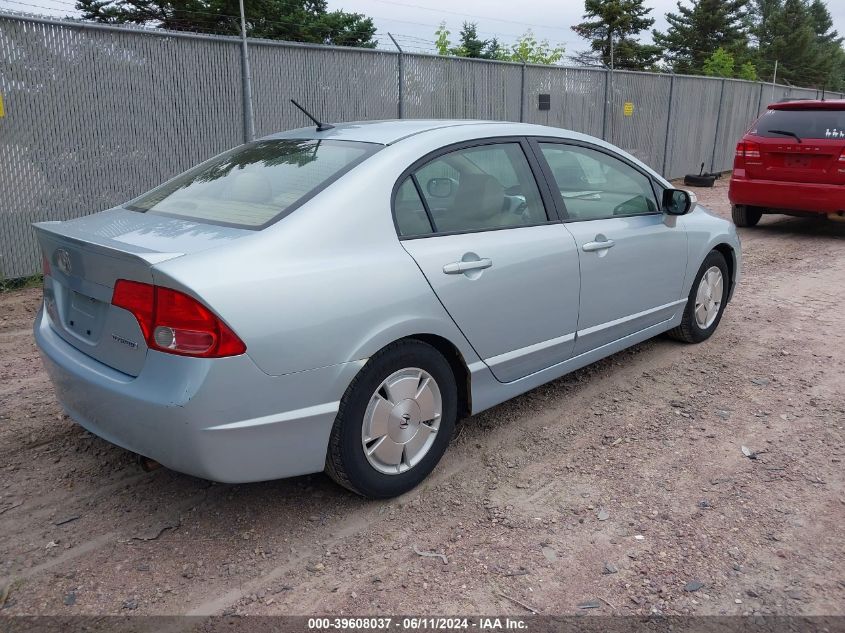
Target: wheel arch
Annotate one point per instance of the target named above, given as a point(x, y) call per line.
point(729, 254)
point(456, 360)
point(452, 354)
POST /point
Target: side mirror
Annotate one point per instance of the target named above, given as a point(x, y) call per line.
point(678, 201)
point(440, 187)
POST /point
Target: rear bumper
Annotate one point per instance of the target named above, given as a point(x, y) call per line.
point(219, 419)
point(788, 196)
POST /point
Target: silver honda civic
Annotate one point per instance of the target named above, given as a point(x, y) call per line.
point(337, 298)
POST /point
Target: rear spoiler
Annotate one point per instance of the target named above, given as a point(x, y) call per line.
point(99, 243)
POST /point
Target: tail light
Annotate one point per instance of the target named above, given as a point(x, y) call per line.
point(45, 264)
point(175, 323)
point(745, 149)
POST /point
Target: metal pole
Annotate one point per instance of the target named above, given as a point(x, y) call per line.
point(401, 69)
point(609, 93)
point(668, 123)
point(606, 99)
point(610, 99)
point(716, 135)
point(774, 80)
point(249, 118)
point(522, 95)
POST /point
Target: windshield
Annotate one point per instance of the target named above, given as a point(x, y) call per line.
point(814, 124)
point(255, 184)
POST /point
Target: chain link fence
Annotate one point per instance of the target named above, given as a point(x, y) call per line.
point(93, 115)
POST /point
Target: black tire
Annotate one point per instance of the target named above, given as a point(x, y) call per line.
point(744, 215)
point(346, 462)
point(689, 330)
point(696, 180)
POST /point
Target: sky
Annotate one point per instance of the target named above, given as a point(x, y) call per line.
point(413, 22)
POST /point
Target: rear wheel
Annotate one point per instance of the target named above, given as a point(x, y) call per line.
point(394, 422)
point(706, 301)
point(744, 215)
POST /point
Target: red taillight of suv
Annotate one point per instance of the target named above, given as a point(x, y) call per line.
point(842, 156)
point(746, 150)
point(175, 323)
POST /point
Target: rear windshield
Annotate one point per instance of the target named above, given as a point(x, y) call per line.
point(255, 184)
point(803, 123)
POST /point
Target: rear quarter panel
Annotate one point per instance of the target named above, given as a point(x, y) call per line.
point(328, 284)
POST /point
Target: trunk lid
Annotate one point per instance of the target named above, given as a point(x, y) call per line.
point(811, 161)
point(88, 255)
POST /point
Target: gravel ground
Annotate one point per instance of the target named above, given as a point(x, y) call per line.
point(623, 485)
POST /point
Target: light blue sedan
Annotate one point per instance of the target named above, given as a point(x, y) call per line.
point(336, 299)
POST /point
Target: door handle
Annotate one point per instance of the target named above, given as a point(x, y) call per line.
point(591, 247)
point(457, 268)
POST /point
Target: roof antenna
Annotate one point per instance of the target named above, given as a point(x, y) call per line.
point(321, 127)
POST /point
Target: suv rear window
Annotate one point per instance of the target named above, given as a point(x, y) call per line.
point(255, 184)
point(803, 123)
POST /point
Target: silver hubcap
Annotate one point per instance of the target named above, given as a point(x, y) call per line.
point(401, 421)
point(708, 299)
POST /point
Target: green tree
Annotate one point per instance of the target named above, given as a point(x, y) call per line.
point(616, 25)
point(719, 64)
point(802, 43)
point(471, 45)
point(293, 20)
point(747, 71)
point(823, 23)
point(695, 33)
point(441, 39)
point(829, 43)
point(529, 50)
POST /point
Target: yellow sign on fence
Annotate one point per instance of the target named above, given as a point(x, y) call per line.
point(2, 110)
point(628, 109)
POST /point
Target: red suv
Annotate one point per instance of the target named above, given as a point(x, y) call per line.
point(791, 161)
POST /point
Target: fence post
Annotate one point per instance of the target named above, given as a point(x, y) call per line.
point(760, 100)
point(716, 135)
point(668, 123)
point(246, 82)
point(607, 88)
point(522, 95)
point(401, 71)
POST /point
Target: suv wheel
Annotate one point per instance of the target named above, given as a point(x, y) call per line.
point(394, 422)
point(744, 215)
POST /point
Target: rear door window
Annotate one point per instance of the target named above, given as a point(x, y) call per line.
point(815, 124)
point(256, 184)
point(479, 188)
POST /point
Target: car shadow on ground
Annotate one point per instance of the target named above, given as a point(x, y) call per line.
point(315, 497)
point(807, 227)
point(225, 510)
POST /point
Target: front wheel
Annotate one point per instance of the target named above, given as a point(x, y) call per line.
point(744, 215)
point(394, 422)
point(706, 301)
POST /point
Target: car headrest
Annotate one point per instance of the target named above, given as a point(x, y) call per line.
point(248, 186)
point(479, 196)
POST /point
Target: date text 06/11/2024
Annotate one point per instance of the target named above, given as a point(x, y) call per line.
point(418, 623)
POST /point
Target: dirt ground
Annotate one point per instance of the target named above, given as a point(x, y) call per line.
point(623, 485)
